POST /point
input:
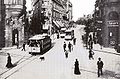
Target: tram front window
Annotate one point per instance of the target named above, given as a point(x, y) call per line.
point(68, 33)
point(33, 44)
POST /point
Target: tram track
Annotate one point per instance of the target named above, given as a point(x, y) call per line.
point(20, 64)
point(12, 55)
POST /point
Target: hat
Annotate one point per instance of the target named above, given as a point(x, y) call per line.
point(99, 58)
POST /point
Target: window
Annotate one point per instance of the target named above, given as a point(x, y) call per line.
point(113, 16)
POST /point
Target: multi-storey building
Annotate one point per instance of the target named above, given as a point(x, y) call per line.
point(54, 14)
point(47, 13)
point(108, 17)
point(14, 22)
point(59, 12)
point(36, 26)
point(2, 23)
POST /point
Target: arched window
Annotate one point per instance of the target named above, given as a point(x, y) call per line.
point(113, 16)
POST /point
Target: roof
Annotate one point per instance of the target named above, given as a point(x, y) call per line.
point(63, 28)
point(38, 37)
point(69, 30)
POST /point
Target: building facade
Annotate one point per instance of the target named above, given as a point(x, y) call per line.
point(69, 13)
point(14, 22)
point(54, 15)
point(2, 24)
point(47, 13)
point(36, 26)
point(57, 14)
point(107, 19)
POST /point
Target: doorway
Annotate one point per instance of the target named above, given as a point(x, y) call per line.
point(15, 38)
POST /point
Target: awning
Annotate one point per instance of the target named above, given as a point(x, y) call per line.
point(56, 24)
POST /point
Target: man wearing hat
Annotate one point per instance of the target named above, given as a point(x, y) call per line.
point(100, 66)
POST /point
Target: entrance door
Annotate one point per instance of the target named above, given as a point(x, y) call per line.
point(15, 37)
point(113, 36)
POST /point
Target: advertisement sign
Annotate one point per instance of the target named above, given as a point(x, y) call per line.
point(113, 23)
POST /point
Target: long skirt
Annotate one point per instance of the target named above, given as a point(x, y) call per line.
point(77, 71)
point(9, 64)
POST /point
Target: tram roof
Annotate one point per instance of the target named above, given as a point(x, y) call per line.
point(69, 30)
point(38, 37)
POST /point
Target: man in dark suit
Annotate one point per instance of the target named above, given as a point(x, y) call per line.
point(100, 66)
point(23, 48)
point(64, 46)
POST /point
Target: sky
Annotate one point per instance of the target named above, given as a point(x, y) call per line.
point(80, 7)
point(28, 4)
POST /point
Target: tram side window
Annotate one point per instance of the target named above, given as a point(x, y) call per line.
point(46, 41)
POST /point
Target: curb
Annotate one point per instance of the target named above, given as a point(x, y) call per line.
point(107, 52)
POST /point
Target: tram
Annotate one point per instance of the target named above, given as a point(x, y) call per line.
point(62, 32)
point(69, 34)
point(39, 44)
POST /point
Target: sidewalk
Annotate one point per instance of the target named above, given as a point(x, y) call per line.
point(113, 62)
point(97, 47)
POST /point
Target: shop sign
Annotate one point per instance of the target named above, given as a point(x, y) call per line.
point(113, 23)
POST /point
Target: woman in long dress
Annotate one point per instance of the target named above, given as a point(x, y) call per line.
point(76, 70)
point(9, 64)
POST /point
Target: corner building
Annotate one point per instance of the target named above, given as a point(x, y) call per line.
point(14, 23)
point(108, 13)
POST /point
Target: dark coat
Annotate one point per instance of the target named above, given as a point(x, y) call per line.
point(100, 64)
point(69, 45)
point(66, 54)
point(23, 45)
point(64, 45)
point(91, 53)
point(74, 41)
point(76, 70)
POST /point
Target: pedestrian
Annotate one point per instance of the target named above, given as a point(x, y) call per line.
point(64, 46)
point(90, 37)
point(9, 63)
point(100, 66)
point(66, 54)
point(76, 69)
point(100, 41)
point(57, 35)
point(17, 45)
point(69, 46)
point(74, 41)
point(91, 53)
point(23, 47)
point(91, 45)
point(83, 38)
